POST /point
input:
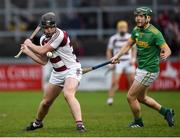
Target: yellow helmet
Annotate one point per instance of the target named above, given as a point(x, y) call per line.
point(122, 24)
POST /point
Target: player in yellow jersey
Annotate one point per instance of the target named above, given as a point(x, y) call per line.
point(151, 48)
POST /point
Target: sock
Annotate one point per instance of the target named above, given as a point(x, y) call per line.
point(138, 120)
point(162, 111)
point(79, 123)
point(37, 121)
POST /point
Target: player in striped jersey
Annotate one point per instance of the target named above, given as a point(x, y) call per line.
point(127, 66)
point(66, 72)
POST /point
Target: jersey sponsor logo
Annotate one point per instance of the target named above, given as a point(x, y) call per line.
point(142, 44)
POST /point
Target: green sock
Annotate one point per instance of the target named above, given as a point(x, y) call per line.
point(162, 111)
point(138, 120)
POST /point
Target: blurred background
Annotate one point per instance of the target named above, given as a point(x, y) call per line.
point(89, 24)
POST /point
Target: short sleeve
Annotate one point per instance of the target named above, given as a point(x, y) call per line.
point(110, 43)
point(56, 39)
point(159, 39)
point(133, 36)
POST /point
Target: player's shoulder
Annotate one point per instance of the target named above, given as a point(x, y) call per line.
point(135, 29)
point(128, 35)
point(59, 34)
point(153, 29)
point(113, 37)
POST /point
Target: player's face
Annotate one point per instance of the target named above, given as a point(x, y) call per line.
point(140, 20)
point(122, 29)
point(49, 31)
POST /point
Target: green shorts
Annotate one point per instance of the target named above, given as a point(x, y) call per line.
point(144, 77)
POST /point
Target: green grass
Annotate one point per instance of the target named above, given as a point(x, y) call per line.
point(18, 109)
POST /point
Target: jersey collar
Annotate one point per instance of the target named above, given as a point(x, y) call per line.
point(145, 27)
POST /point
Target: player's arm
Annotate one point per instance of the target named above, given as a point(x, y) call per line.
point(38, 49)
point(109, 50)
point(109, 54)
point(161, 43)
point(165, 51)
point(123, 50)
point(37, 58)
point(133, 53)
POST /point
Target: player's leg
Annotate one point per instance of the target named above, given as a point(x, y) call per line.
point(112, 89)
point(50, 94)
point(130, 73)
point(168, 113)
point(137, 93)
point(143, 98)
point(134, 104)
point(70, 87)
point(115, 83)
point(130, 77)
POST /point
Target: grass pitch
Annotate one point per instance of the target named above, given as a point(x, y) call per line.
point(18, 109)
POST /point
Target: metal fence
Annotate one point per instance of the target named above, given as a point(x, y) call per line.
point(10, 12)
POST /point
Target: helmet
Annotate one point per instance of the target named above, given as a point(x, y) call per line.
point(122, 24)
point(48, 20)
point(143, 11)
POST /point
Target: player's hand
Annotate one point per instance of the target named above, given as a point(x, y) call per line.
point(24, 48)
point(28, 42)
point(115, 59)
point(164, 55)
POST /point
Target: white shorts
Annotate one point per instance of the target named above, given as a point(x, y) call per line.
point(145, 77)
point(124, 66)
point(58, 78)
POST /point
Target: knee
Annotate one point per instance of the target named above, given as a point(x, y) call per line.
point(130, 98)
point(142, 99)
point(113, 84)
point(117, 84)
point(46, 103)
point(68, 95)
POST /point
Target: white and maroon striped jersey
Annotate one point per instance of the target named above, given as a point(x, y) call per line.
point(116, 42)
point(63, 56)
